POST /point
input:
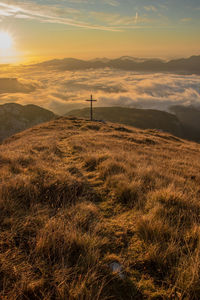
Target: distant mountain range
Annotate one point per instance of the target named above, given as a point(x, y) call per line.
point(184, 122)
point(15, 118)
point(189, 65)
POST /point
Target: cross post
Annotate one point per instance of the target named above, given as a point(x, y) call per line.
point(91, 108)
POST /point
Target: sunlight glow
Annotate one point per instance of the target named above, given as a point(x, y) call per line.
point(5, 41)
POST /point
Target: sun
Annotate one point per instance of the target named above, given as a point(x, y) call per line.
point(5, 41)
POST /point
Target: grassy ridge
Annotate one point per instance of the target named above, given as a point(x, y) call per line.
point(140, 118)
point(184, 122)
point(77, 196)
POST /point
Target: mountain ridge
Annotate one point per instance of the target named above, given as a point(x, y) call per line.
point(189, 65)
point(176, 123)
point(181, 121)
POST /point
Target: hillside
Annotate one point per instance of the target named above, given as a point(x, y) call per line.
point(190, 120)
point(15, 118)
point(99, 211)
point(141, 118)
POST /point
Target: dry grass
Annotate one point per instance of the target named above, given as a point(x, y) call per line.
point(76, 196)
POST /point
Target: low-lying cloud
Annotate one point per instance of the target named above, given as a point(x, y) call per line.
point(12, 85)
point(64, 91)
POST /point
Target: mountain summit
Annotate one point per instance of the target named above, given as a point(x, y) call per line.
point(184, 122)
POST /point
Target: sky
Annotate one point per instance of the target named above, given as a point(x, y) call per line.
point(44, 29)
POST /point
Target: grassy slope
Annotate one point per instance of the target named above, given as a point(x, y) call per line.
point(76, 196)
point(141, 118)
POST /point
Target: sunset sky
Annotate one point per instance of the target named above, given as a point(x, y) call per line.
point(43, 29)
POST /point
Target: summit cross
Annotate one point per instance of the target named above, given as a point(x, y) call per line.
point(91, 108)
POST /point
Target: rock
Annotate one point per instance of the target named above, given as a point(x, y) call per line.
point(117, 268)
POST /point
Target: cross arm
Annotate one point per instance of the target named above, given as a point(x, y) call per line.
point(91, 100)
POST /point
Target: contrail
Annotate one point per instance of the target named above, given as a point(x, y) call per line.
point(136, 17)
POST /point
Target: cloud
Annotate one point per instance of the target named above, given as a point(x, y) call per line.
point(121, 22)
point(84, 14)
point(48, 14)
point(151, 8)
point(186, 20)
point(75, 85)
point(112, 2)
point(12, 85)
point(63, 91)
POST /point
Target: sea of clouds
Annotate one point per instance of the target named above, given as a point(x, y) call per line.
point(64, 91)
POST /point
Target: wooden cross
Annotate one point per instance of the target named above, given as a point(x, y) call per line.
point(91, 112)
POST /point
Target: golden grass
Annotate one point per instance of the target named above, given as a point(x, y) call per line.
point(76, 196)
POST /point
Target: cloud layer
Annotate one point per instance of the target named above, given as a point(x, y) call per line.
point(63, 91)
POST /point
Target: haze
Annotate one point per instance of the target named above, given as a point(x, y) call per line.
point(91, 28)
